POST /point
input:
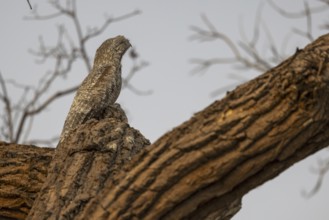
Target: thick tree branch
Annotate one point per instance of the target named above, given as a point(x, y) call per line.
point(202, 168)
point(207, 164)
point(23, 170)
point(96, 157)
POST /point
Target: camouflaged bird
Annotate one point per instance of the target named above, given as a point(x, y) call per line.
point(101, 88)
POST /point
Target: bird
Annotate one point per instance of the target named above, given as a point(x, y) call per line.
point(101, 88)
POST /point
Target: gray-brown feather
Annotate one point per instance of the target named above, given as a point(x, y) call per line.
point(101, 87)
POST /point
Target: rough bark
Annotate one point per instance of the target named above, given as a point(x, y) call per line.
point(202, 168)
point(23, 170)
point(83, 163)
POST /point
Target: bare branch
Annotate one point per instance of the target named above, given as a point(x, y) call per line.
point(204, 64)
point(299, 14)
point(28, 113)
point(211, 34)
point(259, 63)
point(53, 98)
point(60, 11)
point(246, 53)
point(97, 31)
point(19, 85)
point(126, 81)
point(138, 91)
point(29, 4)
point(36, 16)
point(308, 33)
point(321, 171)
point(8, 110)
point(256, 29)
point(276, 56)
point(45, 84)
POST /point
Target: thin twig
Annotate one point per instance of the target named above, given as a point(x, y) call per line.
point(97, 31)
point(27, 113)
point(322, 170)
point(211, 34)
point(299, 14)
point(6, 100)
point(308, 33)
point(29, 4)
point(126, 82)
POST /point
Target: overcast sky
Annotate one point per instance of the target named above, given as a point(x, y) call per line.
point(160, 34)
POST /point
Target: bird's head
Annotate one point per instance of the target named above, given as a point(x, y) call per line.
point(111, 50)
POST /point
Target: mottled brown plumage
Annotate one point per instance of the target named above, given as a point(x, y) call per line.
point(101, 87)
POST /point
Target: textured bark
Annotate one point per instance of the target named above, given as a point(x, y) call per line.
point(23, 170)
point(201, 169)
point(92, 154)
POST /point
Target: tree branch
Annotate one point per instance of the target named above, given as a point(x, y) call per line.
point(202, 168)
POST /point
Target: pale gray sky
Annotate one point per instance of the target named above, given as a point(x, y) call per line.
point(160, 35)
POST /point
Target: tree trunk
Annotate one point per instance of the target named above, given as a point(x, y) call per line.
point(202, 168)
